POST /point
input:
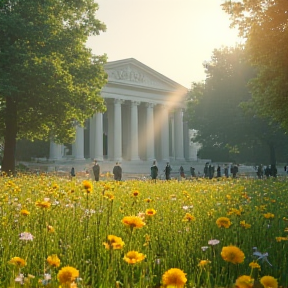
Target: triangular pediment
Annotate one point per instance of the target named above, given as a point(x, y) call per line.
point(131, 72)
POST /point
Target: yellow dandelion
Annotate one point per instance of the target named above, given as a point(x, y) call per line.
point(174, 277)
point(223, 222)
point(279, 239)
point(87, 186)
point(50, 229)
point(150, 212)
point(269, 215)
point(109, 196)
point(43, 204)
point(204, 263)
point(114, 242)
point(245, 225)
point(188, 217)
point(67, 275)
point(53, 261)
point(244, 282)
point(255, 265)
point(133, 257)
point(232, 254)
point(133, 221)
point(17, 261)
point(24, 212)
point(269, 282)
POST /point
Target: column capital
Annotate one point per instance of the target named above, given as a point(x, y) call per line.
point(119, 101)
point(150, 105)
point(135, 103)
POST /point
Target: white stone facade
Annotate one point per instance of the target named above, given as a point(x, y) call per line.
point(143, 121)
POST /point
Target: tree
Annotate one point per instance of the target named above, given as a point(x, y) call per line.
point(49, 80)
point(226, 131)
point(264, 24)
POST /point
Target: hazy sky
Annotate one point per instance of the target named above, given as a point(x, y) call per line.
point(173, 37)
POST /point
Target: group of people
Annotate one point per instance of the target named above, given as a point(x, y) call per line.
point(267, 171)
point(117, 171)
point(209, 171)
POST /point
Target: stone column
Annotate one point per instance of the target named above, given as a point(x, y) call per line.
point(134, 131)
point(78, 145)
point(55, 151)
point(150, 153)
point(165, 133)
point(92, 136)
point(179, 146)
point(98, 148)
point(117, 130)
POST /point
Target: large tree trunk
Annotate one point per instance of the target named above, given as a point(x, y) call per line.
point(8, 164)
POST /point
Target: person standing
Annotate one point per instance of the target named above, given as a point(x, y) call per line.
point(96, 171)
point(218, 171)
point(192, 171)
point(117, 171)
point(226, 171)
point(168, 171)
point(154, 171)
point(72, 172)
point(206, 170)
point(182, 174)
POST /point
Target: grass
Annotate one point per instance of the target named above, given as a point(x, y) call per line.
point(73, 223)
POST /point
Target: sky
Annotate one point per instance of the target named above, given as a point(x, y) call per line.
point(173, 37)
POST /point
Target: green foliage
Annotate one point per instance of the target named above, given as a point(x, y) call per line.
point(26, 149)
point(222, 112)
point(264, 24)
point(48, 78)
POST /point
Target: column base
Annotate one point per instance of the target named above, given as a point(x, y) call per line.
point(180, 159)
point(135, 159)
point(98, 158)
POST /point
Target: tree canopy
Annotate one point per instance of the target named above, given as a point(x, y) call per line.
point(226, 131)
point(49, 80)
point(263, 23)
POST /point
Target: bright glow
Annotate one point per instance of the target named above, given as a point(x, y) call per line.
point(173, 37)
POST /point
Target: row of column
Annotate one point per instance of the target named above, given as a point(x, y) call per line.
point(157, 123)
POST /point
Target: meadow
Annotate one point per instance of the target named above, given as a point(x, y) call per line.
point(57, 232)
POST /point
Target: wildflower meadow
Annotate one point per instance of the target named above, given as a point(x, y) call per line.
point(58, 232)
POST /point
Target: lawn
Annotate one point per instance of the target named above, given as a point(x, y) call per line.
point(201, 233)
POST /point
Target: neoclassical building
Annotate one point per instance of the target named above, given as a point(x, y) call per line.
point(143, 121)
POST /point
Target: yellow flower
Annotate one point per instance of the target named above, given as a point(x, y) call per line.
point(133, 257)
point(148, 200)
point(269, 282)
point(269, 215)
point(135, 193)
point(188, 217)
point(17, 261)
point(254, 265)
point(87, 186)
point(150, 212)
point(50, 229)
point(67, 275)
point(109, 196)
point(244, 282)
point(43, 204)
point(114, 242)
point(203, 263)
point(232, 254)
point(223, 222)
point(279, 239)
point(24, 212)
point(245, 225)
point(133, 221)
point(174, 277)
point(53, 261)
